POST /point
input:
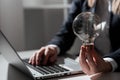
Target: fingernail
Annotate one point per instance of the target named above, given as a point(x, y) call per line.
point(29, 61)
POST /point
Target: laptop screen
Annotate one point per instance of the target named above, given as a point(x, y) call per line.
point(11, 55)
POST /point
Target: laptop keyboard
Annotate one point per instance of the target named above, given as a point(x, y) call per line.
point(47, 69)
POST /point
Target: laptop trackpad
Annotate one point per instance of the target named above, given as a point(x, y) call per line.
point(72, 64)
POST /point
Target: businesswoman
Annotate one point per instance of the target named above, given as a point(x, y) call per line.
point(109, 38)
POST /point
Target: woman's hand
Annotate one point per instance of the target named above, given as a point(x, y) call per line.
point(91, 62)
point(45, 55)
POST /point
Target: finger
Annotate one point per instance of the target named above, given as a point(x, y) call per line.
point(32, 59)
point(47, 54)
point(97, 58)
point(82, 59)
point(39, 55)
point(91, 62)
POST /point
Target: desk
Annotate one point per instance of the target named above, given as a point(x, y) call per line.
point(8, 72)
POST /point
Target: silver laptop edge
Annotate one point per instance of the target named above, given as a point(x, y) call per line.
point(6, 49)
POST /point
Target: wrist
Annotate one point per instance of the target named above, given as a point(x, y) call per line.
point(57, 49)
point(108, 67)
point(112, 63)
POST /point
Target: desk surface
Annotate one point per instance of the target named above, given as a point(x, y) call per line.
point(8, 72)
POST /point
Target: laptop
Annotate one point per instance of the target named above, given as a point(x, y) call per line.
point(69, 66)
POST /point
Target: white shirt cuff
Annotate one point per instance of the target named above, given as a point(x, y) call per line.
point(53, 45)
point(112, 62)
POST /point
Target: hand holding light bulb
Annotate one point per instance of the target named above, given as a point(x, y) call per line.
point(87, 27)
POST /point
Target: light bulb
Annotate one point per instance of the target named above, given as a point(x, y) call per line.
point(87, 27)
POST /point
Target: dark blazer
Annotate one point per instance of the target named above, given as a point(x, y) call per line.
point(65, 37)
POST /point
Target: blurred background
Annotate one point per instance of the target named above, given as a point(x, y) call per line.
point(30, 24)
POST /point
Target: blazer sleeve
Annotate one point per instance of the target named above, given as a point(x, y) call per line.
point(115, 38)
point(65, 37)
point(116, 56)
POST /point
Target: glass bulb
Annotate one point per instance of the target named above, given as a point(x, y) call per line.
point(87, 27)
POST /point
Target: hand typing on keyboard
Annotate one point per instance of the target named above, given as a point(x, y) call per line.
point(45, 55)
